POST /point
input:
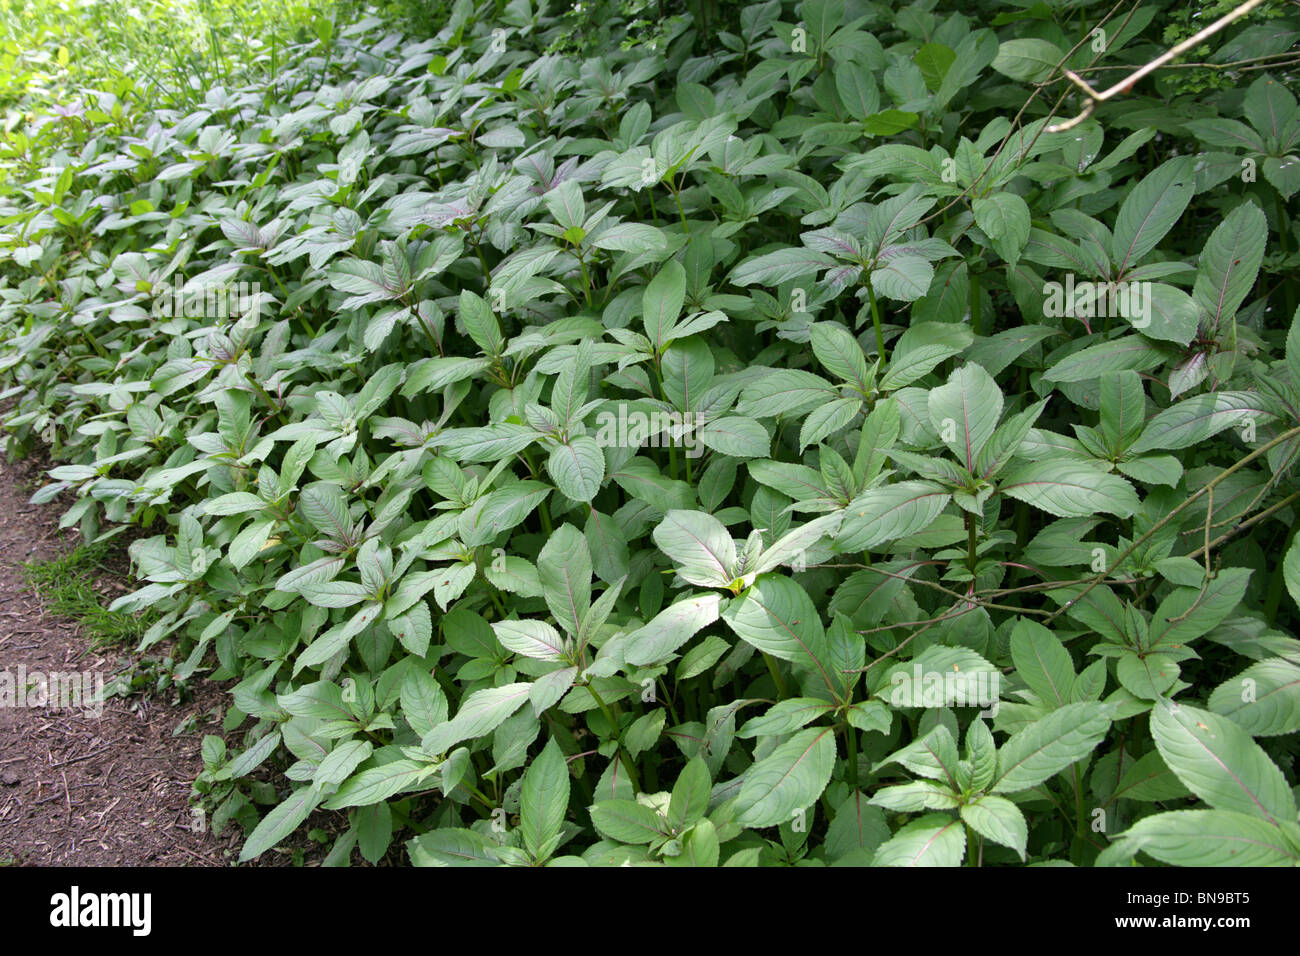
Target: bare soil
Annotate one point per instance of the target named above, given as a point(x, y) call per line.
point(78, 789)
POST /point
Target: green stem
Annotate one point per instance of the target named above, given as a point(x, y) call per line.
point(1284, 237)
point(543, 511)
point(279, 412)
point(586, 280)
point(972, 558)
point(672, 446)
point(875, 320)
point(1275, 583)
point(777, 676)
point(668, 701)
point(851, 738)
point(613, 723)
point(487, 273)
point(681, 212)
point(496, 599)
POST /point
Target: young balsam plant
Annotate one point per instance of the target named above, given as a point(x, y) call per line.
point(787, 452)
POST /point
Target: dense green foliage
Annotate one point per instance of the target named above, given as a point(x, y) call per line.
point(157, 52)
point(754, 441)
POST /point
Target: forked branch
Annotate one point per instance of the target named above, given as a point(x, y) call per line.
point(1126, 84)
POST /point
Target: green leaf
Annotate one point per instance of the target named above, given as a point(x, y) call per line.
point(532, 638)
point(965, 412)
point(935, 839)
point(451, 847)
point(918, 350)
point(424, 704)
point(627, 822)
point(435, 374)
point(577, 467)
point(1149, 211)
point(363, 279)
point(480, 323)
point(547, 690)
point(1283, 172)
point(998, 819)
point(379, 783)
point(1004, 218)
point(1150, 779)
point(1187, 613)
point(1230, 263)
point(374, 831)
point(250, 541)
point(1027, 60)
point(777, 268)
point(481, 713)
point(1174, 315)
point(736, 436)
point(791, 778)
point(1070, 489)
point(1123, 408)
point(489, 443)
point(793, 544)
point(661, 303)
point(671, 628)
point(690, 797)
point(1270, 107)
point(341, 761)
point(1129, 352)
point(1219, 762)
point(699, 545)
point(1049, 745)
point(1196, 419)
point(1146, 676)
point(1042, 662)
point(543, 799)
point(905, 278)
point(1291, 570)
point(778, 617)
point(1264, 699)
point(934, 61)
point(893, 511)
point(839, 353)
point(786, 392)
point(1209, 838)
point(933, 755)
point(785, 717)
point(280, 822)
point(699, 847)
point(856, 828)
point(826, 420)
point(857, 89)
point(564, 569)
point(565, 204)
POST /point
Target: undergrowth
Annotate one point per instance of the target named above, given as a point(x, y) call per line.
point(767, 434)
point(67, 587)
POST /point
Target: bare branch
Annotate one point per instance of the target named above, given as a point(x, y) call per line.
point(1126, 84)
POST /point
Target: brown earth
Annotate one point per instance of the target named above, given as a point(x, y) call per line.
point(76, 789)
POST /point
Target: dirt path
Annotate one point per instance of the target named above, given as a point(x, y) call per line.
point(79, 789)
